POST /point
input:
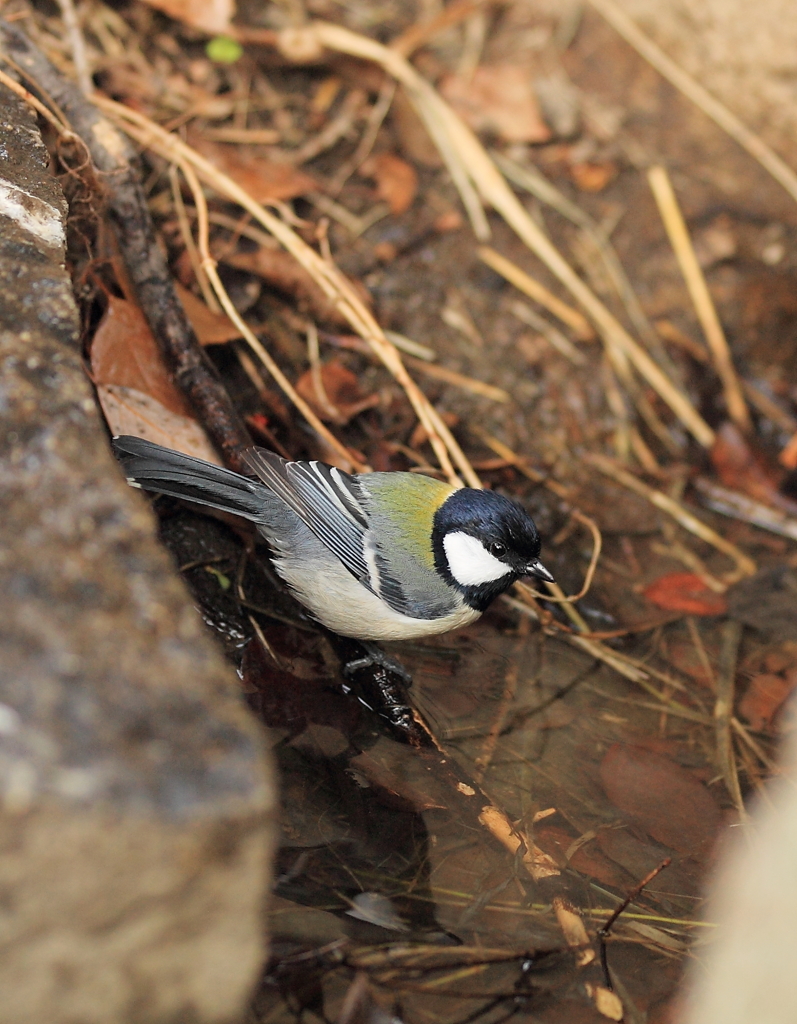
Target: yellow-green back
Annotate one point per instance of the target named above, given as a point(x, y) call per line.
point(402, 512)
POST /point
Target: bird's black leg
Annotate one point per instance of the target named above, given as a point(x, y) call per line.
point(379, 684)
point(373, 656)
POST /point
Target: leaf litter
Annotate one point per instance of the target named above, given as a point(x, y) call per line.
point(586, 733)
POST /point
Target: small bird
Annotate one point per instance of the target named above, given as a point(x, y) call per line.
point(375, 556)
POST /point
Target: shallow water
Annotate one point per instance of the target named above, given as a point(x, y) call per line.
point(383, 858)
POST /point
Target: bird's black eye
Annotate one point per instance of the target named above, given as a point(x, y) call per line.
point(497, 549)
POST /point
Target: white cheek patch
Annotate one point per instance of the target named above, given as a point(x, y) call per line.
point(471, 564)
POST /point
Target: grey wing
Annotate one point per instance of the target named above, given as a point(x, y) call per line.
point(325, 499)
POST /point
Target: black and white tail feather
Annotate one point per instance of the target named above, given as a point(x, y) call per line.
point(327, 500)
point(154, 468)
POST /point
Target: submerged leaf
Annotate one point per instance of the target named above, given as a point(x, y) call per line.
point(374, 908)
point(685, 592)
point(766, 694)
point(670, 803)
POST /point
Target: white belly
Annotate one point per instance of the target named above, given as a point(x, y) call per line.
point(343, 605)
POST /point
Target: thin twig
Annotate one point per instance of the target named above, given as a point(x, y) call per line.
point(240, 226)
point(209, 265)
point(758, 398)
point(459, 380)
point(615, 400)
point(700, 647)
point(723, 710)
point(59, 125)
point(745, 566)
point(521, 464)
point(770, 408)
point(555, 338)
point(681, 553)
point(533, 181)
point(474, 39)
point(604, 930)
point(335, 129)
point(535, 290)
point(421, 32)
point(633, 669)
point(378, 113)
point(678, 234)
point(747, 510)
point(314, 358)
point(78, 46)
point(412, 348)
point(597, 546)
point(769, 763)
point(243, 136)
point(114, 160)
point(190, 244)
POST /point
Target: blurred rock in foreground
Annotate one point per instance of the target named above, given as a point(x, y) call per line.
point(135, 791)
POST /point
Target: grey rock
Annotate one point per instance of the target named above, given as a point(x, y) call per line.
point(136, 794)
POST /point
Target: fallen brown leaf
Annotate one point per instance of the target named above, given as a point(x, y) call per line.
point(125, 80)
point(125, 354)
point(396, 180)
point(593, 177)
point(743, 469)
point(414, 140)
point(788, 457)
point(385, 252)
point(262, 178)
point(129, 411)
point(780, 660)
point(282, 271)
point(500, 99)
point(211, 328)
point(587, 859)
point(211, 16)
point(451, 220)
point(392, 787)
point(341, 398)
point(295, 694)
point(683, 656)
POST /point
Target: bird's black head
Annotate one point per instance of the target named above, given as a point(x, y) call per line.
point(483, 543)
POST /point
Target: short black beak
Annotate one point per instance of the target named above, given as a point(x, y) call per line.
point(538, 570)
